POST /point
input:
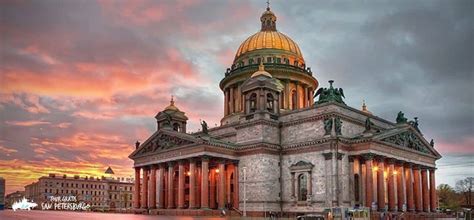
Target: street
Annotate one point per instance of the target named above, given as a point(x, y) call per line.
point(65, 215)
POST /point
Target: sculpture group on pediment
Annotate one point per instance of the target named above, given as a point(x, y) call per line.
point(407, 139)
point(163, 142)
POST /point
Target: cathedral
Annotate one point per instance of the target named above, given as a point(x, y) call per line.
point(285, 145)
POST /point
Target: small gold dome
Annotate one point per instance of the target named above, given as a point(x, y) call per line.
point(172, 106)
point(261, 71)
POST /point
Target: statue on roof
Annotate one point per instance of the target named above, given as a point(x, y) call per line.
point(330, 94)
point(401, 118)
point(368, 125)
point(432, 143)
point(204, 127)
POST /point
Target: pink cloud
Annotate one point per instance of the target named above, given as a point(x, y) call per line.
point(27, 123)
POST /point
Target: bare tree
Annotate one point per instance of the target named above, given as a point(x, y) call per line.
point(465, 188)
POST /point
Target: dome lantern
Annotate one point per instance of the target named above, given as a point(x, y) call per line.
point(268, 20)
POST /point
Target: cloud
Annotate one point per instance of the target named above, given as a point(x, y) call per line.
point(27, 123)
point(77, 91)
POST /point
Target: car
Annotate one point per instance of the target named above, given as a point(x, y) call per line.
point(310, 217)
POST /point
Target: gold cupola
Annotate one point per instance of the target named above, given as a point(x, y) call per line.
point(270, 43)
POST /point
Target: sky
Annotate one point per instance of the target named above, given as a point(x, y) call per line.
point(81, 81)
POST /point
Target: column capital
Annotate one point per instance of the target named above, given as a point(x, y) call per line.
point(400, 162)
point(416, 167)
point(327, 156)
point(205, 158)
point(351, 158)
point(235, 162)
point(340, 156)
point(408, 165)
point(171, 163)
point(181, 162)
point(192, 159)
point(391, 160)
point(432, 169)
point(368, 156)
point(380, 158)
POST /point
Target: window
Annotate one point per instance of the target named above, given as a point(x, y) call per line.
point(176, 127)
point(253, 102)
point(250, 61)
point(269, 59)
point(296, 63)
point(278, 60)
point(302, 187)
point(270, 101)
point(286, 60)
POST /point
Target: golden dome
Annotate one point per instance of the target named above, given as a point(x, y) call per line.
point(269, 38)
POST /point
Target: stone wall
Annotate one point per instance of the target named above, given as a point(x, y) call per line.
point(262, 186)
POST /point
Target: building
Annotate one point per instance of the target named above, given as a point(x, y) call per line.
point(107, 193)
point(2, 193)
point(13, 197)
point(277, 149)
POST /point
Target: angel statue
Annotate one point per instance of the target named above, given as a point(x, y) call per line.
point(330, 94)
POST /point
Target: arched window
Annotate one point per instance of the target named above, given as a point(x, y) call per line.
point(250, 61)
point(296, 63)
point(286, 60)
point(176, 127)
point(282, 100)
point(253, 102)
point(293, 99)
point(302, 187)
point(270, 100)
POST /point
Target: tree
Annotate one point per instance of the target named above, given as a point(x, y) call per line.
point(464, 187)
point(447, 197)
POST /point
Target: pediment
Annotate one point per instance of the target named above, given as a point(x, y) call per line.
point(407, 137)
point(163, 140)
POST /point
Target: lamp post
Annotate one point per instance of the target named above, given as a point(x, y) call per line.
point(245, 191)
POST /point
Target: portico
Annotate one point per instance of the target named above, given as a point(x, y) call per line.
point(202, 182)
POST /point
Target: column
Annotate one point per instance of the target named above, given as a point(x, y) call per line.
point(180, 184)
point(293, 197)
point(306, 102)
point(226, 102)
point(352, 170)
point(416, 188)
point(161, 196)
point(369, 180)
point(232, 101)
point(152, 203)
point(409, 187)
point(198, 186)
point(380, 184)
point(171, 185)
point(391, 185)
point(433, 196)
point(212, 189)
point(424, 189)
point(192, 183)
point(239, 97)
point(297, 95)
point(205, 183)
point(136, 193)
point(221, 188)
point(236, 185)
point(228, 175)
point(400, 186)
point(287, 94)
point(145, 189)
point(309, 186)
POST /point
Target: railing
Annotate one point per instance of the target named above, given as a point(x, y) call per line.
point(269, 66)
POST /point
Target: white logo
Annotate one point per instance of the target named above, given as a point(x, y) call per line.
point(23, 204)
